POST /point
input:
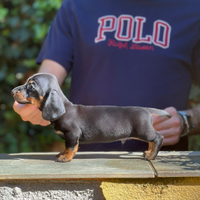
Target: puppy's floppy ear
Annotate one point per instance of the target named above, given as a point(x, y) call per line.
point(53, 107)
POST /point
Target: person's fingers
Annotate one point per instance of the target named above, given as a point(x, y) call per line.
point(158, 119)
point(171, 110)
point(169, 128)
point(171, 140)
point(44, 123)
point(30, 113)
point(173, 122)
point(24, 109)
point(38, 120)
point(167, 133)
point(18, 107)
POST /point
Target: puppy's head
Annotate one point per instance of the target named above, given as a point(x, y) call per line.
point(43, 91)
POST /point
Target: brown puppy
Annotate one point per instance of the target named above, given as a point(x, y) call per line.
point(88, 124)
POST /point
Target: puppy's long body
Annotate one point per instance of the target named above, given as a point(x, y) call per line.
point(88, 124)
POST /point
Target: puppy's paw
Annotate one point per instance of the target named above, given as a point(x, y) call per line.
point(149, 156)
point(63, 158)
point(58, 155)
point(146, 153)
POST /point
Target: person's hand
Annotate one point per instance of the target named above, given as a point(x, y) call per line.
point(170, 128)
point(30, 113)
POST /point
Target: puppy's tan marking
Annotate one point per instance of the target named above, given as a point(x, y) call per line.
point(148, 152)
point(68, 154)
point(35, 102)
point(21, 98)
point(151, 154)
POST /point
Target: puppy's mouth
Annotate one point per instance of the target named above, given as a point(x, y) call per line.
point(20, 98)
point(23, 102)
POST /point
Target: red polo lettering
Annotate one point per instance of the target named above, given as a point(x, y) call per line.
point(161, 39)
point(139, 30)
point(106, 24)
point(120, 27)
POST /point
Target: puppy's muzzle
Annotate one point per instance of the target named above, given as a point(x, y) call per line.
point(18, 96)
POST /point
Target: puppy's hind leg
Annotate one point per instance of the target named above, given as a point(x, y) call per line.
point(149, 149)
point(146, 132)
point(154, 147)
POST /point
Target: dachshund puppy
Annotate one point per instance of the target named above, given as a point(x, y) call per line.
point(88, 124)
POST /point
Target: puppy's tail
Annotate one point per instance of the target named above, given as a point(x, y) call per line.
point(158, 112)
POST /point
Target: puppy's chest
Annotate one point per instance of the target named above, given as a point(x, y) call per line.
point(60, 133)
point(58, 130)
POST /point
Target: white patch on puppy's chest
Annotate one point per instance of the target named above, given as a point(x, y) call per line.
point(59, 133)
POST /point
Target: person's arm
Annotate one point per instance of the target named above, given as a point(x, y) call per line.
point(195, 118)
point(31, 113)
point(52, 67)
point(172, 128)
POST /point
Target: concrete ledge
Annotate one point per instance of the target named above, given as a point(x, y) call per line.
point(99, 176)
point(99, 165)
point(177, 164)
point(84, 165)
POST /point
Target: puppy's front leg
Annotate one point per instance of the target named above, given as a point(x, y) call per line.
point(71, 148)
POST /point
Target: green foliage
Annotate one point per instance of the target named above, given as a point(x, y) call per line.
point(194, 141)
point(23, 25)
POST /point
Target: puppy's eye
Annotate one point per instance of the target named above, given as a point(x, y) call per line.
point(31, 87)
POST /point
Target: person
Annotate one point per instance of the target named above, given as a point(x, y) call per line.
point(127, 53)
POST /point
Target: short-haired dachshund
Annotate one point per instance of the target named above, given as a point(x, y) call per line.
point(88, 124)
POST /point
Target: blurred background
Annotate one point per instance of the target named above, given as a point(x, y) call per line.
point(23, 27)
